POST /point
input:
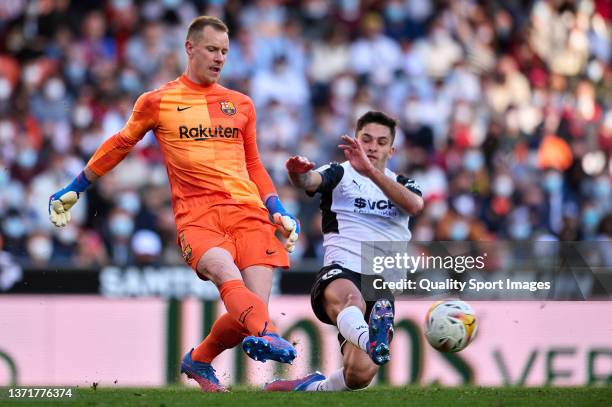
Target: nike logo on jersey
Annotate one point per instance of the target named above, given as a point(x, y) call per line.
point(180, 109)
point(270, 252)
point(358, 186)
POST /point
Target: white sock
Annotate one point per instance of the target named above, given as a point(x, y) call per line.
point(353, 327)
point(335, 382)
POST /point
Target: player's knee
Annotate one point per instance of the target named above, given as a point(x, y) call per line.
point(358, 377)
point(335, 304)
point(354, 300)
point(216, 270)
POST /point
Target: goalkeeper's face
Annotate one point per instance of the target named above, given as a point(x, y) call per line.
point(207, 53)
point(377, 143)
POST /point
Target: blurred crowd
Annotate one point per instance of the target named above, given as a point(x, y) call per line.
point(505, 113)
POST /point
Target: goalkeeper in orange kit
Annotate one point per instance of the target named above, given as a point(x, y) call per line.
point(222, 197)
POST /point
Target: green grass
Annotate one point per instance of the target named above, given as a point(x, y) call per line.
point(375, 397)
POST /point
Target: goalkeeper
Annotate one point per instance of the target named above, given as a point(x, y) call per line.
point(222, 197)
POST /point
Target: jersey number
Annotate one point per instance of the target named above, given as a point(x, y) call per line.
point(330, 274)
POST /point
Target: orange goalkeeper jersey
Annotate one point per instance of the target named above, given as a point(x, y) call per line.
point(207, 137)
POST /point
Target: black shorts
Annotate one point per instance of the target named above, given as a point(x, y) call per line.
point(333, 272)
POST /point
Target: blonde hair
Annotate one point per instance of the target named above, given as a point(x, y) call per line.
point(194, 32)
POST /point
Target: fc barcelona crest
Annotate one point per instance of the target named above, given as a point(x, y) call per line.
point(185, 248)
point(228, 108)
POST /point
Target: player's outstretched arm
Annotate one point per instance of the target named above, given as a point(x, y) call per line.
point(301, 174)
point(106, 157)
point(407, 200)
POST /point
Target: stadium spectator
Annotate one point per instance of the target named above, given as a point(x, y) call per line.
point(10, 271)
point(491, 96)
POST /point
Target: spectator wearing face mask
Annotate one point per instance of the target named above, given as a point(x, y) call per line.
point(91, 252)
point(39, 249)
point(15, 231)
point(120, 230)
point(65, 244)
point(146, 247)
point(10, 271)
point(513, 100)
point(460, 223)
point(374, 55)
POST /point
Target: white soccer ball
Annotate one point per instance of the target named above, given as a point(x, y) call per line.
point(450, 326)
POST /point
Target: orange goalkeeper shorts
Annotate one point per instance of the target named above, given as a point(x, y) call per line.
point(246, 232)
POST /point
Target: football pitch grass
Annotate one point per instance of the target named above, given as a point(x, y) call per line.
point(375, 397)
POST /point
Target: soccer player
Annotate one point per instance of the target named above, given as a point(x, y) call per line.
point(219, 186)
point(361, 200)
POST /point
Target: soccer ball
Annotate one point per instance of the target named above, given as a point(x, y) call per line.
point(450, 325)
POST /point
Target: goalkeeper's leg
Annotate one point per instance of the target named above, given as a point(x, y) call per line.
point(226, 331)
point(241, 303)
point(247, 314)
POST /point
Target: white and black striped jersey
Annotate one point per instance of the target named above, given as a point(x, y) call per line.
point(355, 209)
